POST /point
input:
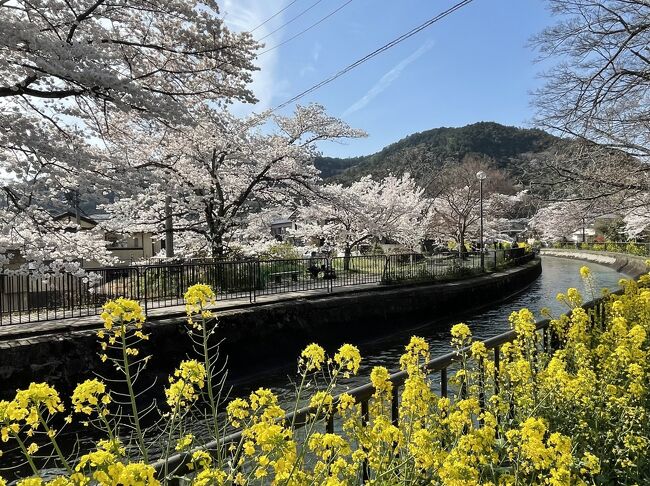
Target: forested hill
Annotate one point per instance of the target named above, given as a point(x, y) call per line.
point(510, 148)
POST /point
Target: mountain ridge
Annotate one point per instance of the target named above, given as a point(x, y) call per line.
point(508, 148)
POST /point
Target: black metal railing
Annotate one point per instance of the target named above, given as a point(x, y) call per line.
point(441, 366)
point(25, 299)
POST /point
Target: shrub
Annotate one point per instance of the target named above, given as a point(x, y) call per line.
point(576, 412)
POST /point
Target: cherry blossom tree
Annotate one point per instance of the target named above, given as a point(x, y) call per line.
point(392, 209)
point(560, 219)
point(225, 169)
point(455, 210)
point(69, 70)
point(600, 87)
point(637, 222)
point(144, 56)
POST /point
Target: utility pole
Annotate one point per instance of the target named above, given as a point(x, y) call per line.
point(481, 176)
point(169, 228)
point(76, 207)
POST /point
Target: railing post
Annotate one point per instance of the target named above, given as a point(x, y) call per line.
point(137, 283)
point(146, 293)
point(329, 274)
point(250, 282)
point(365, 416)
point(443, 382)
point(394, 406)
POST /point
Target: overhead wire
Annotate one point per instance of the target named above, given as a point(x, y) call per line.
point(272, 17)
point(290, 20)
point(376, 52)
point(307, 29)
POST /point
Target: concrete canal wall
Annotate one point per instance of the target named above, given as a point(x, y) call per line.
point(633, 266)
point(256, 337)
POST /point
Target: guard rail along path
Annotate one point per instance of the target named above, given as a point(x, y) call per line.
point(441, 368)
point(25, 299)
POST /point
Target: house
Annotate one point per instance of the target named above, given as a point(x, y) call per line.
point(69, 218)
point(130, 246)
point(583, 235)
point(126, 246)
point(281, 226)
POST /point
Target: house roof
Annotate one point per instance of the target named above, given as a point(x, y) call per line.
point(70, 214)
point(281, 221)
point(588, 232)
point(100, 216)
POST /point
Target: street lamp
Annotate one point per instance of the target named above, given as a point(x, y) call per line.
point(481, 176)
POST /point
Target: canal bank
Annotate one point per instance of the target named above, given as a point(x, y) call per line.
point(255, 336)
point(631, 265)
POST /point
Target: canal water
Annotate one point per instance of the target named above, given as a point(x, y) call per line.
point(558, 274)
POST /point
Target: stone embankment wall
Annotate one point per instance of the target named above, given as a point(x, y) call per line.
point(258, 337)
point(633, 266)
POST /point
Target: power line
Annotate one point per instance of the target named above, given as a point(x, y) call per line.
point(291, 20)
point(376, 52)
point(305, 30)
point(273, 16)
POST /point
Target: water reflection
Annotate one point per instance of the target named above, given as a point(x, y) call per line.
point(558, 275)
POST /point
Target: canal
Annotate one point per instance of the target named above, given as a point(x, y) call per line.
point(558, 275)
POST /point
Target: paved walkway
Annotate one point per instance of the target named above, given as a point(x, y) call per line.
point(10, 332)
point(59, 326)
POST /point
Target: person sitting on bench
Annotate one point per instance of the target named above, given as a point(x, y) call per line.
point(313, 268)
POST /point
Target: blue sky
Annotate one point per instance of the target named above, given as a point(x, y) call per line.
point(474, 65)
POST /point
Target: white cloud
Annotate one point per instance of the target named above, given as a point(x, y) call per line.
point(315, 52)
point(242, 15)
point(387, 79)
point(305, 70)
point(311, 66)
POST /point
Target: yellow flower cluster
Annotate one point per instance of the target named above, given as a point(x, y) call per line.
point(119, 316)
point(348, 359)
point(197, 298)
point(29, 408)
point(312, 357)
point(571, 407)
point(91, 396)
point(184, 442)
point(107, 465)
point(122, 311)
point(185, 384)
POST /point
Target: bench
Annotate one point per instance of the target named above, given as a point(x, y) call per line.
point(277, 276)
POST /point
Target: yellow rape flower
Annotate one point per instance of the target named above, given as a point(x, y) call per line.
point(237, 410)
point(210, 477)
point(122, 311)
point(89, 396)
point(200, 459)
point(30, 482)
point(348, 359)
point(184, 383)
point(184, 442)
point(197, 297)
point(312, 357)
point(460, 335)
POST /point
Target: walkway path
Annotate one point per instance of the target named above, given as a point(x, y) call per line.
point(59, 326)
point(26, 330)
